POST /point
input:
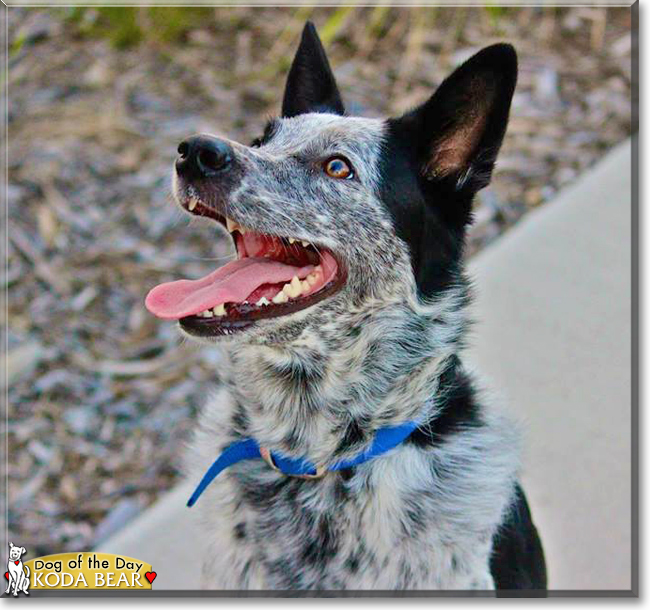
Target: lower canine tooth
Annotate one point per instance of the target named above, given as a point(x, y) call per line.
point(219, 310)
point(281, 297)
point(192, 204)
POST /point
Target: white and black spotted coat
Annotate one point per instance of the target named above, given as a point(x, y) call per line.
point(319, 383)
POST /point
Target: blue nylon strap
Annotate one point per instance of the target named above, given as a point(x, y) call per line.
point(247, 449)
point(385, 439)
point(292, 466)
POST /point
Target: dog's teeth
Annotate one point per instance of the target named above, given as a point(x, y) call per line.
point(319, 270)
point(293, 289)
point(262, 301)
point(305, 243)
point(219, 310)
point(192, 204)
point(208, 313)
point(292, 240)
point(281, 297)
point(231, 225)
point(306, 287)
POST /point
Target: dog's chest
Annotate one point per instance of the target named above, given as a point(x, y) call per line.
point(366, 533)
point(419, 517)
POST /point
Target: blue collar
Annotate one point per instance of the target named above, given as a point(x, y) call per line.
point(248, 449)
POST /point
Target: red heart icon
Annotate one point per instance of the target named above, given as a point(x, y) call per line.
point(17, 562)
point(150, 576)
point(7, 575)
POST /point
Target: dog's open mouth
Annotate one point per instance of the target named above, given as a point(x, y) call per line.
point(272, 276)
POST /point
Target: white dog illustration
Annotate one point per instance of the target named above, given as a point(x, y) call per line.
point(18, 574)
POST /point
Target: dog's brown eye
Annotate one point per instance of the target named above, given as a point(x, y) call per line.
point(338, 167)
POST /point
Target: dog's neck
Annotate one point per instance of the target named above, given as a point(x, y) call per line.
point(325, 394)
point(322, 397)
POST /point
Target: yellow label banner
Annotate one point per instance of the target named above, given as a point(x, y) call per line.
point(89, 571)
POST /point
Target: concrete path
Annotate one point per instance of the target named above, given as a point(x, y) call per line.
point(554, 337)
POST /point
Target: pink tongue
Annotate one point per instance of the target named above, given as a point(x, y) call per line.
point(231, 283)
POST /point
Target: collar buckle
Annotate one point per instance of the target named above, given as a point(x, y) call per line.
point(321, 471)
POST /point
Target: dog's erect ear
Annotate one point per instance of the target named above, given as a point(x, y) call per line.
point(23, 550)
point(11, 544)
point(310, 85)
point(459, 130)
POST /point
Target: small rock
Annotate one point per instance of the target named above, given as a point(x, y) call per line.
point(40, 451)
point(547, 88)
point(22, 360)
point(99, 75)
point(80, 419)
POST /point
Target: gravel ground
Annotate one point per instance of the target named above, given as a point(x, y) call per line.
point(101, 394)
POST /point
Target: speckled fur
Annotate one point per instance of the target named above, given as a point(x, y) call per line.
point(318, 383)
point(321, 381)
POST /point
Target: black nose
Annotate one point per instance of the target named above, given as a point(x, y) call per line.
point(203, 156)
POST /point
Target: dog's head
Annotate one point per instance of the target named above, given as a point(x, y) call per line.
point(332, 213)
point(16, 552)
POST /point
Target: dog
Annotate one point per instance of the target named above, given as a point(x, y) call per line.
point(348, 446)
point(18, 574)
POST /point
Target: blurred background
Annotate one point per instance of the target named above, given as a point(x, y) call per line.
point(101, 394)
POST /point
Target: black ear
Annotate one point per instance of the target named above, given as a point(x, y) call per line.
point(310, 85)
point(459, 130)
